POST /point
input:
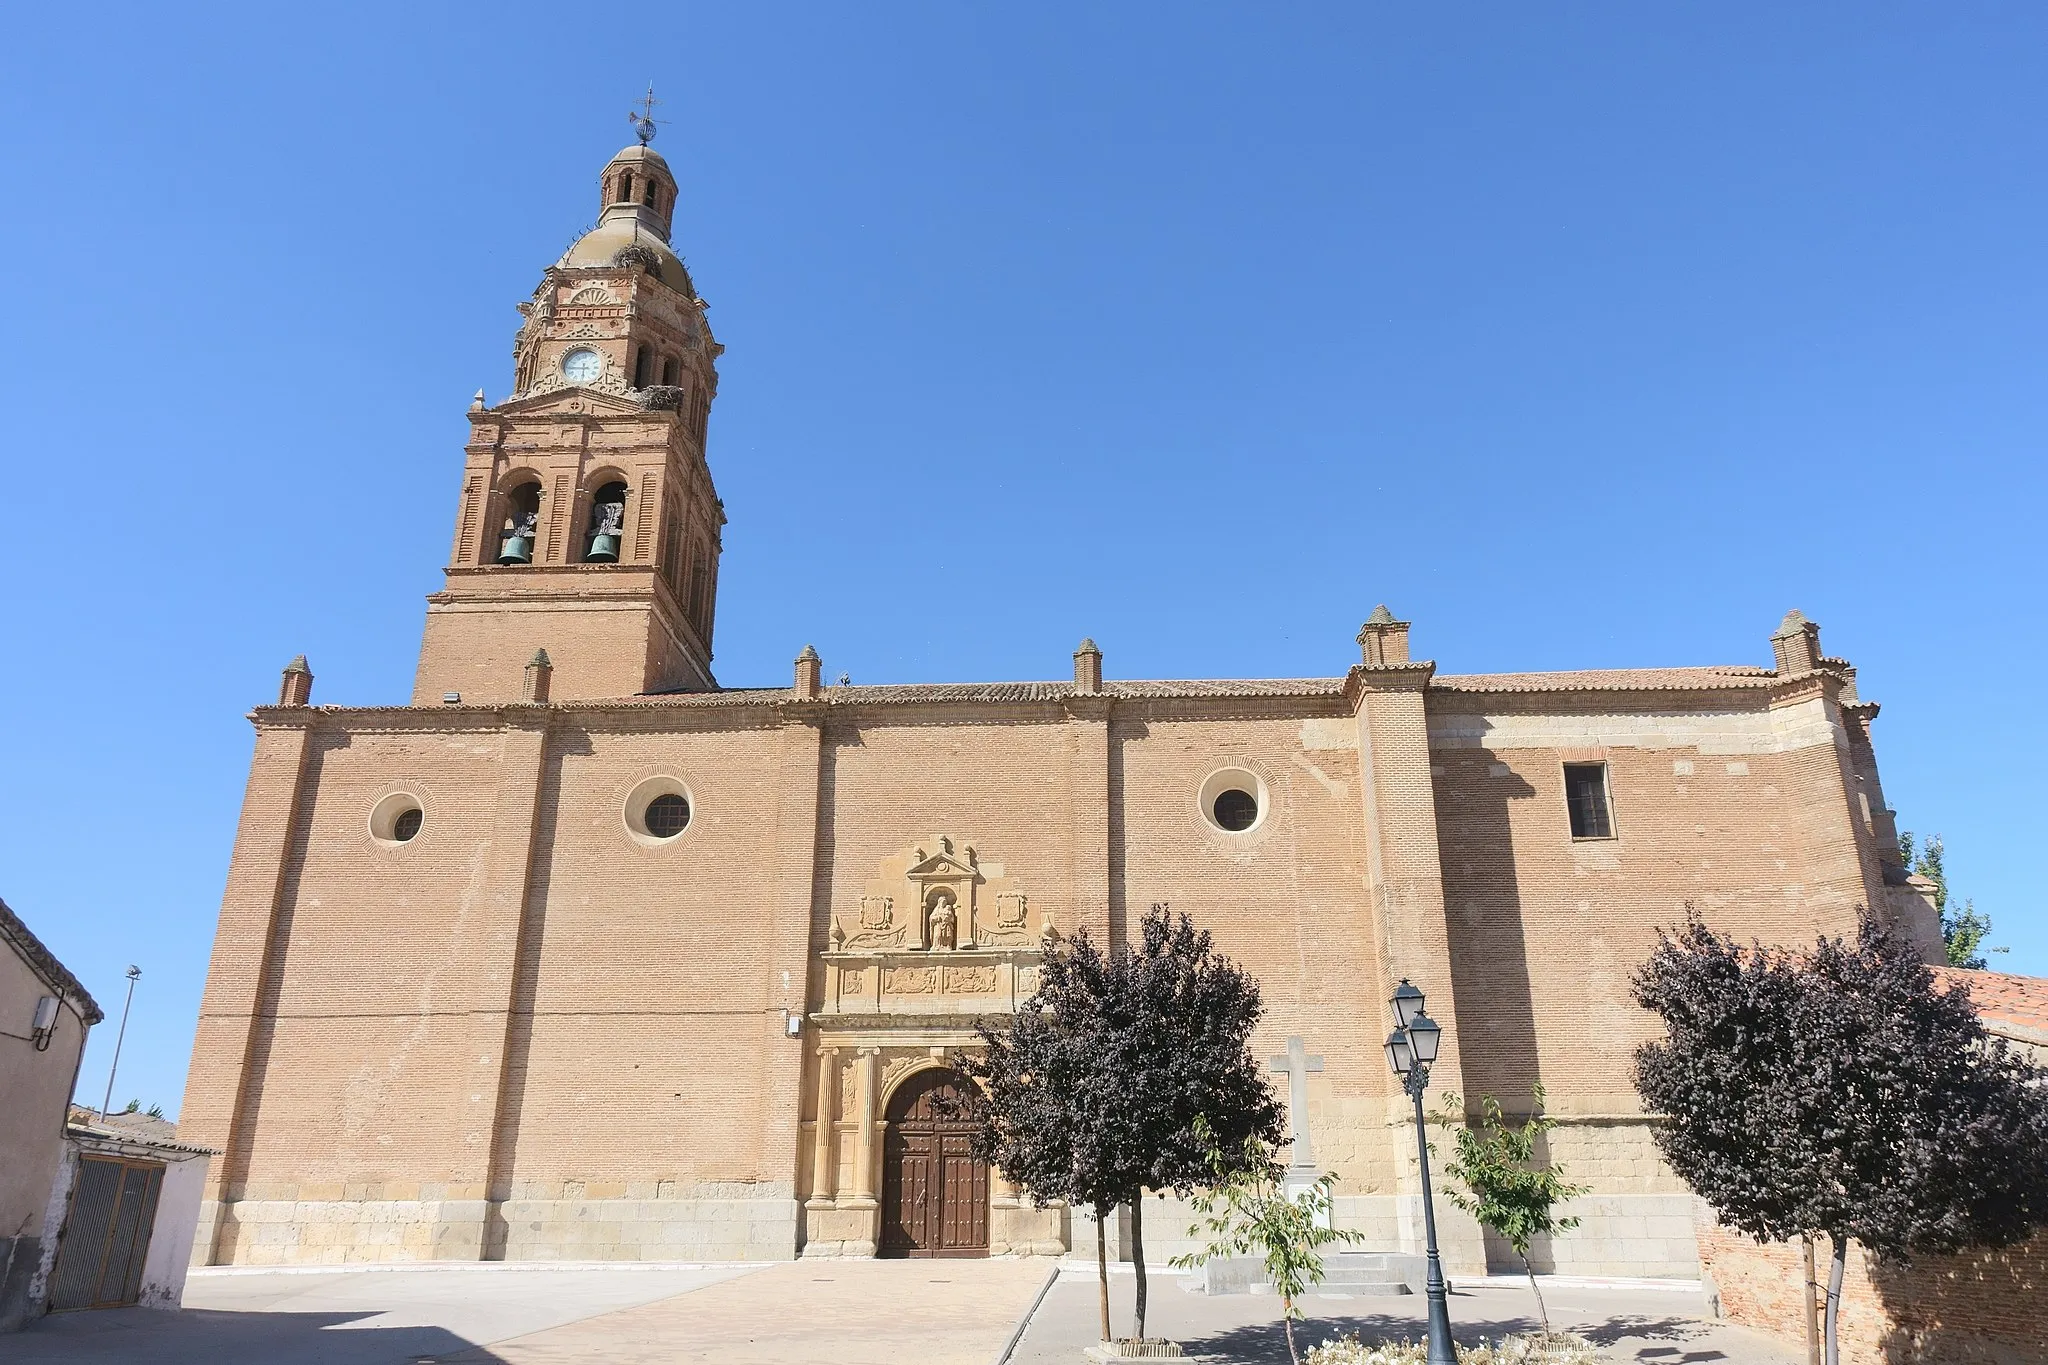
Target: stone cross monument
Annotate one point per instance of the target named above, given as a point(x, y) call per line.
point(1296, 1065)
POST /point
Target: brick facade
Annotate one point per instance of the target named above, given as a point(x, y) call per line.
point(533, 1029)
point(1977, 1308)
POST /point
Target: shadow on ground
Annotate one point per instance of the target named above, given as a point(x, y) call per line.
point(200, 1336)
point(1630, 1337)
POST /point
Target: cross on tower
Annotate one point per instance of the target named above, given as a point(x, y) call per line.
point(1296, 1066)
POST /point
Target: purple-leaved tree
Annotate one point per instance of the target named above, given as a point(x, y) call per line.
point(1091, 1090)
point(1835, 1091)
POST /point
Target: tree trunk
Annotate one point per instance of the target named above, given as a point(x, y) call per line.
point(1102, 1266)
point(1834, 1319)
point(1287, 1321)
point(1808, 1309)
point(1138, 1256)
point(1542, 1313)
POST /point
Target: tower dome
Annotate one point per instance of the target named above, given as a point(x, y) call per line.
point(636, 200)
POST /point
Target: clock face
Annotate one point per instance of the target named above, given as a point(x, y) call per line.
point(582, 365)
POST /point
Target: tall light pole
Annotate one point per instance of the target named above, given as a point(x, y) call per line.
point(134, 975)
point(1411, 1048)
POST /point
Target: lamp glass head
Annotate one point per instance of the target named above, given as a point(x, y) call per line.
point(1407, 1003)
point(1427, 1035)
point(1400, 1052)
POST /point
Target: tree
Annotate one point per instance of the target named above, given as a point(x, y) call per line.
point(1092, 1090)
point(1247, 1212)
point(1962, 931)
point(1837, 1092)
point(1503, 1188)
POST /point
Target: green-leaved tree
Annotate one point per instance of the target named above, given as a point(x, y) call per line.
point(1504, 1187)
point(1963, 930)
point(1246, 1211)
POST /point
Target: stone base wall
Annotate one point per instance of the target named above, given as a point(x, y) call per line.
point(1641, 1235)
point(1980, 1308)
point(336, 1232)
point(19, 1259)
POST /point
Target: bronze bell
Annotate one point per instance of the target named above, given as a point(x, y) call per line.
point(604, 548)
point(517, 549)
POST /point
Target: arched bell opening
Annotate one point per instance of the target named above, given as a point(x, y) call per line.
point(522, 524)
point(607, 525)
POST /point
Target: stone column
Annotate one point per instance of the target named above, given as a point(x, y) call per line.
point(867, 1093)
point(822, 1172)
point(868, 1081)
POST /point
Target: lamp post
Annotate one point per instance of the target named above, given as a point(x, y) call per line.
point(134, 975)
point(1411, 1048)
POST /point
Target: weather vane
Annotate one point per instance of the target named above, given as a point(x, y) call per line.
point(643, 119)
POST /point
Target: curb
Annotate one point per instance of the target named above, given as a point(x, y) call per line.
point(1010, 1346)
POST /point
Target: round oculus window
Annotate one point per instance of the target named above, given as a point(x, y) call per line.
point(396, 819)
point(1235, 810)
point(1233, 800)
point(667, 815)
point(658, 810)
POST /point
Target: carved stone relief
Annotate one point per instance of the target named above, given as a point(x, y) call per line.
point(970, 980)
point(910, 980)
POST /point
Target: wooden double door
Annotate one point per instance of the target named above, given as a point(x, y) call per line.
point(934, 1193)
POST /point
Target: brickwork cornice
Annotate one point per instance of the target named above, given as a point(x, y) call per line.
point(1093, 706)
point(1402, 677)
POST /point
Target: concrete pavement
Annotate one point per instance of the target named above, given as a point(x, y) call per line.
point(1630, 1322)
point(847, 1312)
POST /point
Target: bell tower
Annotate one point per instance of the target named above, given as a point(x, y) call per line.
point(587, 523)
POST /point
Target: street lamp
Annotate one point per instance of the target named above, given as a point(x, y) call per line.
point(1411, 1049)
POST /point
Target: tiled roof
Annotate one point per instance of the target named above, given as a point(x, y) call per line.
point(2004, 998)
point(1611, 680)
point(904, 694)
point(44, 963)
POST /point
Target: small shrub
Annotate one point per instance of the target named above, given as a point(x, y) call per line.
point(1533, 1348)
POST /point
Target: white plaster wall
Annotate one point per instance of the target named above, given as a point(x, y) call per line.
point(170, 1242)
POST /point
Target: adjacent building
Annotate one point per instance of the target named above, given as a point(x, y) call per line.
point(44, 1016)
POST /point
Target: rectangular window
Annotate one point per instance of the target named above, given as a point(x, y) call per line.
point(1585, 795)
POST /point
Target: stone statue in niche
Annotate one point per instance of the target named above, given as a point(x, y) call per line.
point(944, 922)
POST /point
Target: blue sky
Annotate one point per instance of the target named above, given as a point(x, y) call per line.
point(1584, 335)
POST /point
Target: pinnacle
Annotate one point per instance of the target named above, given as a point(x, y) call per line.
point(809, 656)
point(1381, 616)
point(540, 659)
point(1793, 623)
point(297, 665)
point(1087, 646)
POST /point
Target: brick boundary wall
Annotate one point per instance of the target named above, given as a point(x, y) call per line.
point(1981, 1308)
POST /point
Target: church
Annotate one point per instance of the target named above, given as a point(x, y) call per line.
point(581, 955)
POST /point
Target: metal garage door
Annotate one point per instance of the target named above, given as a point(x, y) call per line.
point(106, 1237)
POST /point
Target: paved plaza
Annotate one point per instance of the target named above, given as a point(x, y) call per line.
point(935, 1312)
